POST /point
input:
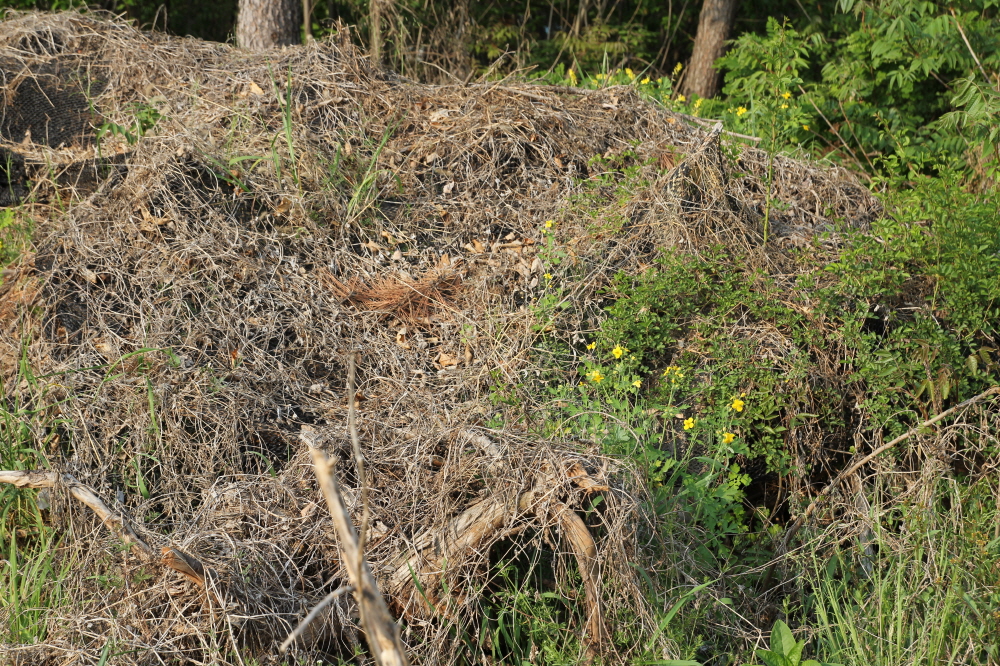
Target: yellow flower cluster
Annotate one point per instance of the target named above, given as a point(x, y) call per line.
point(645, 81)
point(728, 437)
point(572, 77)
point(618, 351)
point(738, 405)
point(674, 372)
point(550, 223)
point(681, 98)
point(740, 111)
point(630, 73)
point(596, 376)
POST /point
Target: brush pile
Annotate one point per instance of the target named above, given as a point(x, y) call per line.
point(216, 231)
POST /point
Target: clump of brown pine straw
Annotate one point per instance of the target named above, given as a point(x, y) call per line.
point(191, 303)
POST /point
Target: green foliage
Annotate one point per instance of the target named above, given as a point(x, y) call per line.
point(785, 650)
point(927, 335)
point(14, 234)
point(922, 579)
point(764, 73)
point(898, 79)
point(526, 625)
point(144, 118)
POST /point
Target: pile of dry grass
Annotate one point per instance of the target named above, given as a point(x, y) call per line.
point(193, 295)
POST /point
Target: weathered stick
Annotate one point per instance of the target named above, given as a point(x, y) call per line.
point(379, 625)
point(172, 558)
point(487, 522)
point(380, 628)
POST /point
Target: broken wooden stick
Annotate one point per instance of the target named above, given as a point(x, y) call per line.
point(172, 558)
point(380, 627)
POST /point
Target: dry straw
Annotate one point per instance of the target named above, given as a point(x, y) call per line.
point(193, 294)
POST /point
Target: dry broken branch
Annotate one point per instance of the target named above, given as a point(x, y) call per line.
point(172, 558)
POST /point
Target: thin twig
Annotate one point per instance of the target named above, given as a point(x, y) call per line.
point(832, 128)
point(871, 456)
point(359, 459)
point(833, 485)
point(313, 614)
point(969, 46)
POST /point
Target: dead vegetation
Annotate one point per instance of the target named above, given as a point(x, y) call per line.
point(193, 293)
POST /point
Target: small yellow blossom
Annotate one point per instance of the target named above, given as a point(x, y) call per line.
point(591, 345)
point(728, 437)
point(637, 383)
point(681, 98)
point(784, 106)
point(678, 68)
point(600, 77)
point(645, 81)
point(740, 110)
point(596, 376)
point(688, 423)
point(631, 74)
point(786, 95)
point(697, 103)
point(738, 405)
point(805, 127)
point(618, 351)
point(549, 224)
point(548, 276)
point(572, 77)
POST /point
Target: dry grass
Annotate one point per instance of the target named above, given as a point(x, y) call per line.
point(260, 243)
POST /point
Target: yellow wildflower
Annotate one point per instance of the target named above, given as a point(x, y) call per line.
point(572, 76)
point(549, 224)
point(591, 345)
point(678, 68)
point(688, 423)
point(631, 74)
point(618, 351)
point(786, 95)
point(740, 110)
point(600, 77)
point(637, 383)
point(738, 405)
point(728, 437)
point(805, 127)
point(697, 103)
point(548, 276)
point(596, 376)
point(784, 106)
point(645, 81)
point(681, 98)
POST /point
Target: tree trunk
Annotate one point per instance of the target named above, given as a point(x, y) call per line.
point(264, 24)
point(714, 24)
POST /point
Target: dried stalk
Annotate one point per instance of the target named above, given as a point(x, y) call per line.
point(380, 628)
